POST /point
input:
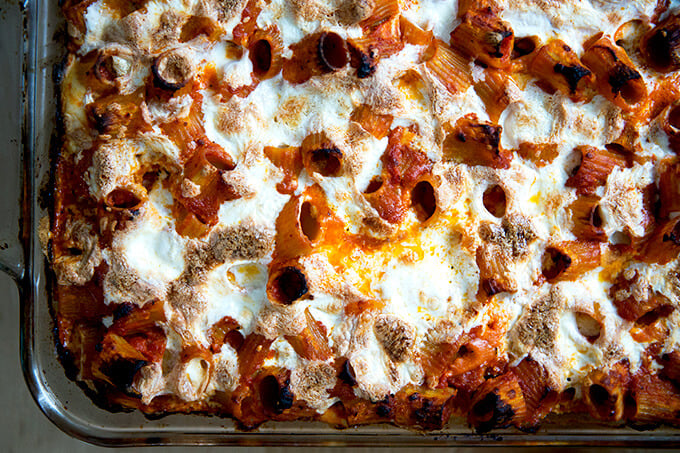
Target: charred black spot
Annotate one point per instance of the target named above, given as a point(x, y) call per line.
point(367, 65)
point(572, 74)
point(414, 396)
point(461, 137)
point(285, 400)
point(122, 310)
point(620, 76)
point(347, 374)
point(122, 372)
point(430, 415)
point(68, 360)
point(492, 412)
point(492, 136)
point(383, 409)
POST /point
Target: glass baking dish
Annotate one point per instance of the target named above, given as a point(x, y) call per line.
point(66, 404)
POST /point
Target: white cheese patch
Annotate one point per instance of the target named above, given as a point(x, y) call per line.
point(234, 73)
point(436, 15)
point(295, 20)
point(153, 249)
point(284, 355)
point(237, 291)
point(538, 117)
point(98, 18)
point(278, 114)
point(571, 21)
point(432, 287)
point(154, 253)
point(578, 354)
point(264, 207)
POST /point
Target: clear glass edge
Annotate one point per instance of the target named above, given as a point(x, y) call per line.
point(175, 433)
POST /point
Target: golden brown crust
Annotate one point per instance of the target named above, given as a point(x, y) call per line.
point(395, 336)
point(244, 242)
point(351, 12)
point(312, 382)
point(536, 331)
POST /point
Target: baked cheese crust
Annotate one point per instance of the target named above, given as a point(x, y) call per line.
point(365, 211)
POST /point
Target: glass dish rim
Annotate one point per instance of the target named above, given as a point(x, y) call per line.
point(30, 277)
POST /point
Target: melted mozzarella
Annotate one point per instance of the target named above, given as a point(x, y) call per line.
point(296, 20)
point(153, 249)
point(425, 284)
point(278, 114)
point(236, 291)
point(436, 15)
point(284, 355)
point(572, 21)
point(578, 354)
point(263, 208)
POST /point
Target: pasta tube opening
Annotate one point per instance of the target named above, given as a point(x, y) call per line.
point(661, 46)
point(424, 200)
point(495, 201)
point(173, 69)
point(127, 197)
point(589, 327)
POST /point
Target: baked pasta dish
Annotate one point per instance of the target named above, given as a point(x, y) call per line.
point(371, 211)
